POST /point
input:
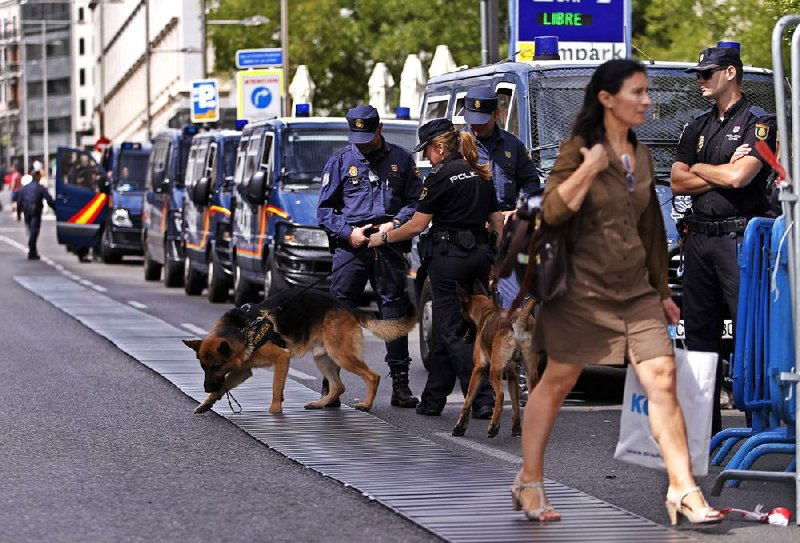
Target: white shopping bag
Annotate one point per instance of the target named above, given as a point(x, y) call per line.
point(696, 371)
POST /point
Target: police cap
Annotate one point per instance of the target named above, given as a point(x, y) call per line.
point(716, 57)
point(430, 130)
point(480, 103)
point(363, 122)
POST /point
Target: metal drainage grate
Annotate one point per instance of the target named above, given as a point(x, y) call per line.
point(453, 496)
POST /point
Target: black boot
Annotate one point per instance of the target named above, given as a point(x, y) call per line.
point(324, 392)
point(401, 393)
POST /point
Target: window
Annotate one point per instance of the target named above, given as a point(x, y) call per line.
point(80, 14)
point(80, 170)
point(238, 176)
point(266, 156)
point(435, 108)
point(190, 166)
point(458, 111)
point(83, 108)
point(82, 76)
point(251, 157)
point(61, 125)
point(82, 46)
point(211, 163)
point(508, 117)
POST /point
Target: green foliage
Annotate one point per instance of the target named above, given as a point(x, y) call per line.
point(340, 40)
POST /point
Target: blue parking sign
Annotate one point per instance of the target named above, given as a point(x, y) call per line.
point(205, 101)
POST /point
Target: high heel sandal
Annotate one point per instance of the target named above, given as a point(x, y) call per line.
point(544, 505)
point(676, 509)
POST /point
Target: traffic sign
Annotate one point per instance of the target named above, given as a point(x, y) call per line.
point(259, 94)
point(596, 30)
point(101, 144)
point(205, 101)
point(268, 57)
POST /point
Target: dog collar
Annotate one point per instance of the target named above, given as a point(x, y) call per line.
point(260, 331)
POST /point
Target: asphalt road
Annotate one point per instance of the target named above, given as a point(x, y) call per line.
point(98, 447)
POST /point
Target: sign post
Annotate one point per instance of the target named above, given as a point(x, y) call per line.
point(205, 101)
point(259, 94)
point(592, 30)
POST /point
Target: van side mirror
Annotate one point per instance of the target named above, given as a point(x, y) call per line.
point(257, 188)
point(227, 182)
point(200, 192)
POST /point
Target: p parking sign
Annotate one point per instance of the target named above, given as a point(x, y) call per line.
point(205, 101)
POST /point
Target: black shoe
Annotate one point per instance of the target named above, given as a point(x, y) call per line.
point(33, 256)
point(401, 393)
point(422, 410)
point(483, 412)
point(324, 392)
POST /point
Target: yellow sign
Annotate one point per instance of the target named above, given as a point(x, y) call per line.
point(259, 94)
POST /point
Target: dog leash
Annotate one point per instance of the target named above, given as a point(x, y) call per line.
point(230, 397)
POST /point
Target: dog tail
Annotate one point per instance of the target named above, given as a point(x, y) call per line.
point(388, 329)
point(520, 324)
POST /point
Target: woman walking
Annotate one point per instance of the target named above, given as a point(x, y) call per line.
point(618, 303)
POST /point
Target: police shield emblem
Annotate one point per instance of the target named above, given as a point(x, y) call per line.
point(352, 171)
point(359, 123)
point(326, 179)
point(700, 141)
point(477, 104)
point(423, 193)
point(508, 154)
point(762, 131)
point(394, 168)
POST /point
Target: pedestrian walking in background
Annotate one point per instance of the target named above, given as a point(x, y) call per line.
point(617, 302)
point(717, 165)
point(14, 182)
point(371, 184)
point(513, 171)
point(457, 200)
point(30, 203)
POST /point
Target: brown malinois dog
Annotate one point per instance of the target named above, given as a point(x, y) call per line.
point(500, 340)
point(288, 325)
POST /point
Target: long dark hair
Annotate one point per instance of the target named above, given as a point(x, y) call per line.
point(608, 77)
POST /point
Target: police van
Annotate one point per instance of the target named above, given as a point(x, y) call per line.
point(162, 232)
point(100, 205)
point(207, 210)
point(538, 102)
point(276, 240)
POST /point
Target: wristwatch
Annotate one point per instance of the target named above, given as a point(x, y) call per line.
point(396, 223)
point(384, 237)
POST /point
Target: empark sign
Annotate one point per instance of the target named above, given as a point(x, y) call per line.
point(594, 30)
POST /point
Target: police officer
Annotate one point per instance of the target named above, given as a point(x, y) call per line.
point(717, 165)
point(371, 185)
point(513, 171)
point(457, 198)
point(30, 203)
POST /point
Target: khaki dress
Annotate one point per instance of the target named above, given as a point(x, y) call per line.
point(617, 272)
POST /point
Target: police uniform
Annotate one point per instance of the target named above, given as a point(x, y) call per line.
point(358, 190)
point(30, 202)
point(457, 250)
point(513, 171)
point(719, 217)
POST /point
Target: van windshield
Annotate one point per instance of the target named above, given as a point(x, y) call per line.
point(131, 171)
point(557, 95)
point(306, 150)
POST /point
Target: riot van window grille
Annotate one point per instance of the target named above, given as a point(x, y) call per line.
point(190, 167)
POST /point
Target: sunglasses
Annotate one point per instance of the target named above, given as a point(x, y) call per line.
point(708, 74)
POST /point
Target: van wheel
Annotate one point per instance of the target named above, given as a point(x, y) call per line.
point(173, 271)
point(426, 323)
point(152, 269)
point(218, 282)
point(193, 280)
point(243, 291)
point(269, 281)
point(109, 255)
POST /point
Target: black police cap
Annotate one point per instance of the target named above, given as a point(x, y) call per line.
point(430, 130)
point(716, 57)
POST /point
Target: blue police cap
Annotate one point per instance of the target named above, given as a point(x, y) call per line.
point(430, 130)
point(716, 57)
point(480, 103)
point(363, 121)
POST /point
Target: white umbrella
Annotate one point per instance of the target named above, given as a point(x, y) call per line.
point(442, 61)
point(412, 85)
point(302, 87)
point(380, 84)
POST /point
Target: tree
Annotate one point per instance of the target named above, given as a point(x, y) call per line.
point(340, 40)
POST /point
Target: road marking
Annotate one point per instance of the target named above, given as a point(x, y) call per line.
point(14, 243)
point(195, 329)
point(98, 288)
point(297, 374)
point(505, 457)
point(136, 304)
point(85, 282)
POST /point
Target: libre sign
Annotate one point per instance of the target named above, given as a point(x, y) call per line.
point(586, 29)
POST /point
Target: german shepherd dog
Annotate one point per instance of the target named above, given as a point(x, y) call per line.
point(500, 340)
point(306, 320)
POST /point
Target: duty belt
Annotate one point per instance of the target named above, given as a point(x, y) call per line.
point(718, 227)
point(481, 236)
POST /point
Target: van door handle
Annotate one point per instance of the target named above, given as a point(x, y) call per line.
point(62, 198)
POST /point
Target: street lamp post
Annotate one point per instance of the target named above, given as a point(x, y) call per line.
point(255, 20)
point(45, 112)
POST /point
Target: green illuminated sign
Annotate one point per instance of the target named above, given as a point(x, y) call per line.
point(564, 18)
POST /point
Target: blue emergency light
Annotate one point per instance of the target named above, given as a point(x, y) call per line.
point(240, 123)
point(129, 145)
point(545, 48)
point(403, 113)
point(730, 45)
point(302, 110)
point(190, 130)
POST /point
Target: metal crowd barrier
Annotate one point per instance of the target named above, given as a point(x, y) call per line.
point(785, 377)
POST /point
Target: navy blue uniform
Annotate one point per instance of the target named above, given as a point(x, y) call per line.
point(513, 171)
point(30, 202)
point(717, 223)
point(358, 190)
point(457, 251)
